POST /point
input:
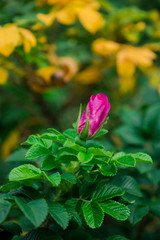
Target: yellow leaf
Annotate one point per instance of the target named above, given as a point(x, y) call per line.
point(140, 26)
point(28, 39)
point(90, 75)
point(129, 57)
point(104, 47)
point(125, 67)
point(3, 76)
point(47, 19)
point(67, 11)
point(46, 72)
point(42, 39)
point(142, 56)
point(66, 16)
point(37, 26)
point(90, 19)
point(9, 39)
point(69, 67)
point(10, 143)
point(127, 84)
point(153, 46)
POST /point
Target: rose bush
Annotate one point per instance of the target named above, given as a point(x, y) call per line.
point(68, 188)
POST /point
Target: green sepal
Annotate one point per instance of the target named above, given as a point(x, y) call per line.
point(85, 131)
point(78, 119)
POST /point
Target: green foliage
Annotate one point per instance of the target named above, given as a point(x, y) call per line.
point(116, 210)
point(23, 172)
point(5, 207)
point(106, 191)
point(59, 214)
point(72, 177)
point(36, 211)
point(85, 157)
point(138, 211)
point(93, 214)
point(69, 168)
point(69, 177)
point(36, 151)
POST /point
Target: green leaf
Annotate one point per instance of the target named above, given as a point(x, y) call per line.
point(59, 214)
point(126, 160)
point(33, 139)
point(116, 210)
point(9, 186)
point(56, 132)
point(98, 152)
point(47, 143)
point(36, 211)
point(118, 155)
point(26, 171)
point(93, 214)
point(106, 191)
point(138, 211)
point(102, 132)
point(130, 135)
point(29, 192)
point(70, 133)
point(78, 119)
point(73, 202)
point(108, 170)
point(151, 119)
point(142, 157)
point(74, 146)
point(86, 190)
point(144, 167)
point(116, 237)
point(54, 178)
point(17, 156)
point(5, 207)
point(155, 207)
point(85, 157)
point(73, 214)
point(36, 151)
point(90, 176)
point(49, 163)
point(55, 148)
point(59, 136)
point(87, 166)
point(131, 117)
point(12, 228)
point(94, 145)
point(66, 158)
point(99, 161)
point(154, 176)
point(129, 185)
point(69, 177)
point(53, 137)
point(67, 150)
point(85, 131)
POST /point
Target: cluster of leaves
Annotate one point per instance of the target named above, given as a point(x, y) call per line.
point(140, 132)
point(68, 183)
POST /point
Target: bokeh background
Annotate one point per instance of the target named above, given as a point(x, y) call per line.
point(54, 54)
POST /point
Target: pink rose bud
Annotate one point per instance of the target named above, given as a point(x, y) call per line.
point(98, 108)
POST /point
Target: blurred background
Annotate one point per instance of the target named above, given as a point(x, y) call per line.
point(54, 54)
